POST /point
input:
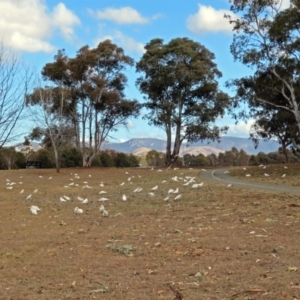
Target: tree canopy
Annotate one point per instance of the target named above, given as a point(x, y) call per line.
point(94, 85)
point(267, 40)
point(182, 94)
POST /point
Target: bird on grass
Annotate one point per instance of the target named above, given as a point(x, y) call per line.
point(151, 194)
point(124, 197)
point(102, 209)
point(177, 197)
point(78, 210)
point(196, 185)
point(103, 199)
point(229, 185)
point(154, 188)
point(34, 209)
point(105, 213)
point(86, 187)
point(283, 175)
point(62, 199)
point(28, 197)
point(267, 175)
point(167, 198)
point(176, 191)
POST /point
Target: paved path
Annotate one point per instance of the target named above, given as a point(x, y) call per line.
point(219, 176)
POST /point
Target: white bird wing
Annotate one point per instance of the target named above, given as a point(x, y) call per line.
point(177, 197)
point(33, 211)
point(103, 199)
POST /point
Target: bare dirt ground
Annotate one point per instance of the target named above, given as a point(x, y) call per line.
point(213, 243)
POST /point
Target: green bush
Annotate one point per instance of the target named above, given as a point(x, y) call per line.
point(70, 157)
point(45, 156)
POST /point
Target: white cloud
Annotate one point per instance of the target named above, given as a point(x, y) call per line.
point(130, 124)
point(123, 15)
point(65, 20)
point(126, 42)
point(208, 19)
point(29, 44)
point(27, 25)
point(241, 129)
point(129, 43)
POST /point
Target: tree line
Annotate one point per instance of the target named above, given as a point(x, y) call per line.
point(71, 158)
point(80, 101)
point(230, 158)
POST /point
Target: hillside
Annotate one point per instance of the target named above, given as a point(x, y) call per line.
point(225, 144)
point(186, 150)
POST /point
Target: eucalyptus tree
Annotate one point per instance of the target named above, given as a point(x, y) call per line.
point(182, 95)
point(266, 39)
point(47, 107)
point(271, 121)
point(94, 82)
point(16, 78)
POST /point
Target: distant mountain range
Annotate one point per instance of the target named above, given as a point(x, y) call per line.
point(143, 145)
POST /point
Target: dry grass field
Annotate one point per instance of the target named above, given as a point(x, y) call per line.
point(213, 243)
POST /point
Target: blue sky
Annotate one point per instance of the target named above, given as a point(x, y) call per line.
point(38, 28)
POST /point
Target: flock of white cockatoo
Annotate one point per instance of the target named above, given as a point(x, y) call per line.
point(265, 174)
point(171, 194)
point(249, 175)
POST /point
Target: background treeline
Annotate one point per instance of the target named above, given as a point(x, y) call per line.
point(233, 157)
point(71, 157)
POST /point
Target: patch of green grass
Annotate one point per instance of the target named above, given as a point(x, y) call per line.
point(126, 249)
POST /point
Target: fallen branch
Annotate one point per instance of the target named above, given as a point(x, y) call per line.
point(178, 295)
point(248, 291)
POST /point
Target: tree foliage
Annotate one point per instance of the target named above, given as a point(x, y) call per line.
point(267, 40)
point(182, 95)
point(94, 83)
point(48, 110)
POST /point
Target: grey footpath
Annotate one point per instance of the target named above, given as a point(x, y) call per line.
point(220, 176)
